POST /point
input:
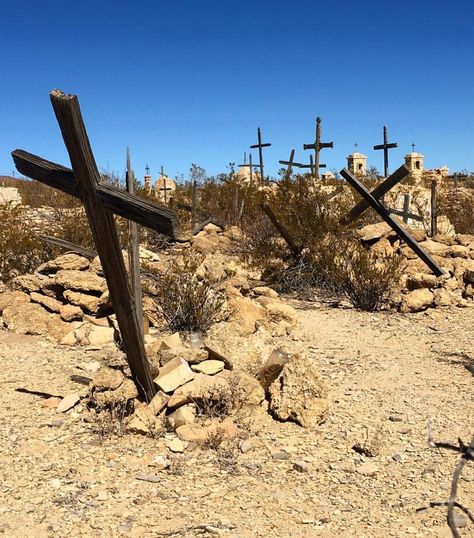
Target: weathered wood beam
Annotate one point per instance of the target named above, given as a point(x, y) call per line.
point(282, 230)
point(68, 246)
point(118, 201)
point(384, 213)
point(101, 221)
point(377, 193)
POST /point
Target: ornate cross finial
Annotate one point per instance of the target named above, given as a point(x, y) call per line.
point(413, 147)
point(147, 170)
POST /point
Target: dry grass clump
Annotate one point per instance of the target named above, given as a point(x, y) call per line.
point(187, 300)
point(20, 250)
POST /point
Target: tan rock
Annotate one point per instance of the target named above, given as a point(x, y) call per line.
point(245, 313)
point(212, 228)
point(174, 374)
point(458, 251)
point(418, 234)
point(176, 445)
point(67, 262)
point(144, 421)
point(158, 402)
point(373, 232)
point(203, 243)
point(278, 311)
point(27, 283)
point(80, 281)
point(201, 387)
point(51, 403)
point(446, 239)
point(51, 304)
point(418, 300)
point(87, 302)
point(265, 291)
point(71, 313)
point(183, 415)
point(434, 247)
point(421, 280)
point(29, 318)
point(100, 336)
point(465, 240)
point(208, 367)
point(69, 339)
point(56, 327)
point(442, 297)
point(216, 432)
point(109, 398)
point(13, 298)
point(382, 248)
point(68, 402)
point(299, 394)
point(107, 379)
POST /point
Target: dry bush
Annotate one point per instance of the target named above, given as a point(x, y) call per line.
point(188, 301)
point(457, 203)
point(20, 250)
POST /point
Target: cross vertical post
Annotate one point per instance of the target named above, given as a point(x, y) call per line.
point(250, 166)
point(101, 221)
point(260, 147)
point(385, 146)
point(164, 189)
point(406, 207)
point(134, 248)
point(317, 146)
point(434, 208)
point(289, 163)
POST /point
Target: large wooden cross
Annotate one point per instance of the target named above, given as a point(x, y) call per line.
point(260, 147)
point(372, 199)
point(101, 202)
point(317, 146)
point(385, 146)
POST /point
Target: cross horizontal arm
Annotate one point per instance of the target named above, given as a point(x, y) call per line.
point(377, 193)
point(323, 145)
point(399, 230)
point(408, 215)
point(118, 201)
point(260, 146)
point(386, 146)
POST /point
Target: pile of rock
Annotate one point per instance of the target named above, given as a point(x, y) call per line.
point(204, 399)
point(420, 288)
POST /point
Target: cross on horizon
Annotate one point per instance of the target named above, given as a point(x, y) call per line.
point(385, 146)
point(317, 146)
point(164, 189)
point(147, 170)
point(413, 147)
point(250, 166)
point(260, 147)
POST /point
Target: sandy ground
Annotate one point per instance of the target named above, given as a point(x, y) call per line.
point(388, 374)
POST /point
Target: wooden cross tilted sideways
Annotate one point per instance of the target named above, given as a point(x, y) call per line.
point(372, 199)
point(101, 202)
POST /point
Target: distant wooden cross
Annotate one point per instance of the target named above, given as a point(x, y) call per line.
point(101, 201)
point(164, 188)
point(289, 164)
point(386, 146)
point(260, 147)
point(147, 170)
point(250, 166)
point(405, 213)
point(317, 146)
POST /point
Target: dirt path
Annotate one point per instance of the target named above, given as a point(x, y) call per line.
point(387, 375)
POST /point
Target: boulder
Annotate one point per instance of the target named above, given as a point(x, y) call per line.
point(13, 298)
point(100, 336)
point(421, 280)
point(107, 379)
point(278, 311)
point(201, 387)
point(80, 281)
point(435, 247)
point(458, 251)
point(382, 248)
point(71, 313)
point(27, 283)
point(418, 234)
point(465, 240)
point(208, 367)
point(213, 433)
point(158, 402)
point(417, 300)
point(299, 393)
point(373, 232)
point(85, 301)
point(442, 297)
point(120, 396)
point(183, 415)
point(245, 313)
point(67, 262)
point(265, 291)
point(30, 318)
point(51, 304)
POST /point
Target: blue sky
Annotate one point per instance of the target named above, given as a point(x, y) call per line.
point(187, 81)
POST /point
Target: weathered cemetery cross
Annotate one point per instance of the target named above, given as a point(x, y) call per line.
point(372, 199)
point(290, 163)
point(318, 146)
point(164, 189)
point(386, 146)
point(311, 165)
point(260, 147)
point(405, 212)
point(101, 201)
point(250, 166)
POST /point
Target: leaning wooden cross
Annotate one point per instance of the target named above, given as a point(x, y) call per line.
point(372, 199)
point(100, 203)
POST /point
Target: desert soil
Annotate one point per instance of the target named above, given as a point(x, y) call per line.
point(387, 374)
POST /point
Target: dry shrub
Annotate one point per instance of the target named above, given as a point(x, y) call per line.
point(20, 250)
point(457, 203)
point(330, 259)
point(188, 301)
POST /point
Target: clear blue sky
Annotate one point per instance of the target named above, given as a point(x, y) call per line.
point(189, 81)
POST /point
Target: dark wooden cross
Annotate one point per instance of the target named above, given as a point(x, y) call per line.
point(386, 146)
point(250, 166)
point(413, 147)
point(164, 189)
point(289, 164)
point(260, 147)
point(147, 170)
point(310, 166)
point(317, 146)
point(101, 202)
point(372, 199)
point(405, 213)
